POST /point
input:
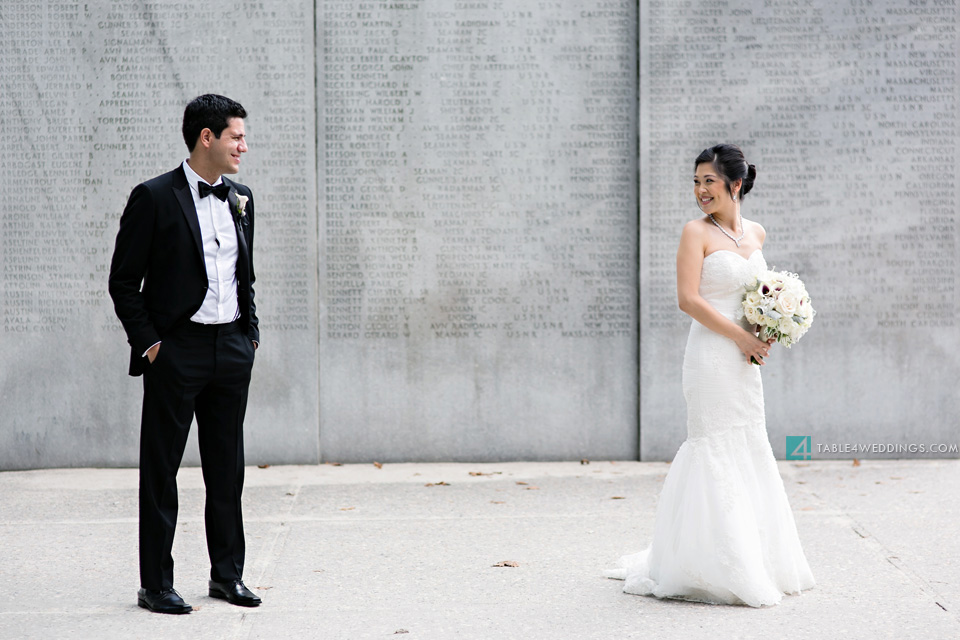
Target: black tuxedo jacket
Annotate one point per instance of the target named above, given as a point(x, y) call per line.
point(159, 247)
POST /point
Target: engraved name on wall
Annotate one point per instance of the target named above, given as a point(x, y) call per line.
point(849, 110)
point(91, 102)
point(477, 167)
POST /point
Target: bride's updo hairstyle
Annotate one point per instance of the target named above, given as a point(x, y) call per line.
point(730, 164)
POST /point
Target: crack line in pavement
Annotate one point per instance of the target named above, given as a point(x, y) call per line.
point(280, 532)
point(891, 557)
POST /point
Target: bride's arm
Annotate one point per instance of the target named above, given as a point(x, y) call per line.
point(689, 264)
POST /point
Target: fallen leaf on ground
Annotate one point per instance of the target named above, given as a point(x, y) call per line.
point(531, 488)
point(497, 502)
point(378, 465)
point(437, 484)
point(263, 588)
point(197, 607)
point(584, 461)
point(263, 466)
point(334, 464)
point(522, 483)
point(856, 462)
point(618, 498)
point(291, 493)
point(347, 508)
point(400, 631)
point(481, 473)
point(507, 563)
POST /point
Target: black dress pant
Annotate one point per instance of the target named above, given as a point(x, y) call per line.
point(201, 370)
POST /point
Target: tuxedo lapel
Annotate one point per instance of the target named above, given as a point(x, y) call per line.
point(242, 253)
point(237, 222)
point(181, 188)
point(231, 198)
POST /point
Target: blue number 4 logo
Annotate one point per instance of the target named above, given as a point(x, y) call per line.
point(799, 448)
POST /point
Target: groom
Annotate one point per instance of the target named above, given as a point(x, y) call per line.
point(181, 280)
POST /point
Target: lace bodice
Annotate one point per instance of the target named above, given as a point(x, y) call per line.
point(723, 391)
point(723, 277)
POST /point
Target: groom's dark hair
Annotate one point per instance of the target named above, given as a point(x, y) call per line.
point(209, 111)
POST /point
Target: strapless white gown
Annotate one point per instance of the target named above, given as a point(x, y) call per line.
point(724, 532)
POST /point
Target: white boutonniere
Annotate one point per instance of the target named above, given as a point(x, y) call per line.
point(242, 206)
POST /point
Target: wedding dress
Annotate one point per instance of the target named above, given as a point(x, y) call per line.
point(724, 532)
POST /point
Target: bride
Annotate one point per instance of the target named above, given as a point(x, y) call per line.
point(724, 532)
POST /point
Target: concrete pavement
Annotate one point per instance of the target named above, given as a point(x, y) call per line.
point(408, 550)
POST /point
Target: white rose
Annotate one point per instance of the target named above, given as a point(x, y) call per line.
point(788, 303)
point(766, 321)
point(789, 328)
point(794, 287)
point(751, 306)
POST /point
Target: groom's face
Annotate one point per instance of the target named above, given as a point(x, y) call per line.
point(225, 151)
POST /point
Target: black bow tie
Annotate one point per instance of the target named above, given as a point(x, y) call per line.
point(221, 190)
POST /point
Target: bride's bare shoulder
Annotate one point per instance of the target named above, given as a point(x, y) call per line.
point(694, 237)
point(755, 228)
point(696, 227)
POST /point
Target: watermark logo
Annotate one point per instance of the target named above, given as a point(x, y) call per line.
point(799, 448)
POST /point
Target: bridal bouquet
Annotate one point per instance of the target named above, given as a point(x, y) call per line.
point(778, 302)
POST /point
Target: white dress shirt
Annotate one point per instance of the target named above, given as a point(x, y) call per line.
point(220, 251)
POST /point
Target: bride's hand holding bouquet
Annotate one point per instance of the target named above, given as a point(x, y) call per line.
point(777, 302)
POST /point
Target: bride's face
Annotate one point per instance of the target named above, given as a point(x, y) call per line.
point(710, 190)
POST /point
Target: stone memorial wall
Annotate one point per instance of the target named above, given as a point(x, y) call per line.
point(475, 197)
point(478, 230)
point(91, 103)
point(850, 112)
point(448, 239)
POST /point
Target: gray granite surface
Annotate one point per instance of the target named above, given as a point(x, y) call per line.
point(468, 215)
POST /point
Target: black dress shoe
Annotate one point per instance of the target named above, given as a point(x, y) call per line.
point(165, 601)
point(234, 592)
